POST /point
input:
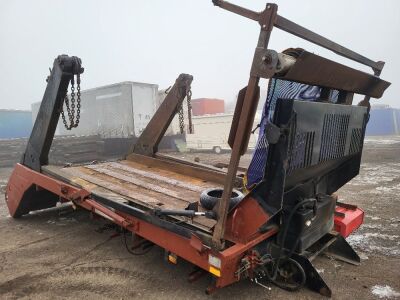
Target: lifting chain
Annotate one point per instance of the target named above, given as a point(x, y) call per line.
point(181, 120)
point(189, 104)
point(70, 105)
point(181, 113)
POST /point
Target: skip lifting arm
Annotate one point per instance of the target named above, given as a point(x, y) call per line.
point(38, 147)
point(263, 67)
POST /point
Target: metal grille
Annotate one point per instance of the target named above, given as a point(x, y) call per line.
point(301, 153)
point(355, 143)
point(334, 135)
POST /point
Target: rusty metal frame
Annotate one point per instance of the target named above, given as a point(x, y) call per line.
point(147, 144)
point(263, 67)
point(304, 33)
point(185, 243)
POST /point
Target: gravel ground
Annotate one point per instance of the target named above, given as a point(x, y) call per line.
point(62, 254)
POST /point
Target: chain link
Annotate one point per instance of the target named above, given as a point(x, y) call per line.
point(189, 104)
point(181, 120)
point(70, 105)
point(188, 95)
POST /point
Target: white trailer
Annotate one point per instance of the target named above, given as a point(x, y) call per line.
point(211, 133)
point(118, 110)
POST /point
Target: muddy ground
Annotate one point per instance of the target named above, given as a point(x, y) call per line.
point(61, 253)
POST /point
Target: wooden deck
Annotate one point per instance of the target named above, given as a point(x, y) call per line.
point(145, 184)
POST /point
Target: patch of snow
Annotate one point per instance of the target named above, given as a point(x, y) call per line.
point(384, 292)
point(388, 189)
point(370, 242)
point(380, 141)
point(375, 175)
point(372, 226)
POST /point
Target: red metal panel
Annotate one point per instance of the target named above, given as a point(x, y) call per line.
point(348, 219)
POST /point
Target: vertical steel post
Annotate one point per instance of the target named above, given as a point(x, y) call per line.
point(266, 20)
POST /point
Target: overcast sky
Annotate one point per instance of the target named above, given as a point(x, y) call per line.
point(154, 41)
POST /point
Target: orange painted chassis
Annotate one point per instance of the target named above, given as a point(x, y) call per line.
point(192, 250)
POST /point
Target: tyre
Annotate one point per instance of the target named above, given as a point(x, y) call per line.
point(210, 197)
point(217, 150)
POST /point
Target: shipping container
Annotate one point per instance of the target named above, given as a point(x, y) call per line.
point(113, 111)
point(384, 120)
point(15, 123)
point(207, 106)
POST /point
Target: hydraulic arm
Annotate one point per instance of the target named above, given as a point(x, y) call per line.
point(37, 151)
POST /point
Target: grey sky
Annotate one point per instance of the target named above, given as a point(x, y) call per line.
point(154, 41)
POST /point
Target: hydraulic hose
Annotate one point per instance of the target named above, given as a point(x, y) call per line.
point(282, 242)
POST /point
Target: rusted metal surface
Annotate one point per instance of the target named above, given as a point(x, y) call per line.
point(312, 69)
point(148, 141)
point(263, 66)
point(308, 35)
point(190, 163)
point(247, 114)
point(301, 32)
point(129, 192)
point(236, 119)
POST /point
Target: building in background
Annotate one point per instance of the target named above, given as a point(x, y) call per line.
point(15, 123)
point(384, 120)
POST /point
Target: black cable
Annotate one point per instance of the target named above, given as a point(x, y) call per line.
point(130, 250)
point(282, 242)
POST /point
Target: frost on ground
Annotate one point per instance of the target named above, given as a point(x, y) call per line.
point(385, 292)
point(376, 175)
point(374, 141)
point(374, 243)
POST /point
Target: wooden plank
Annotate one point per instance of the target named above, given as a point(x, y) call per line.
point(191, 171)
point(155, 176)
point(181, 194)
point(72, 176)
point(202, 183)
point(60, 174)
point(139, 194)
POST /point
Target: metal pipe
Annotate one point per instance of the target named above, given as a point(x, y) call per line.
point(304, 33)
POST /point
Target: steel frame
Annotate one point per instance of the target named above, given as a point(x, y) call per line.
point(262, 67)
point(177, 239)
point(27, 180)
